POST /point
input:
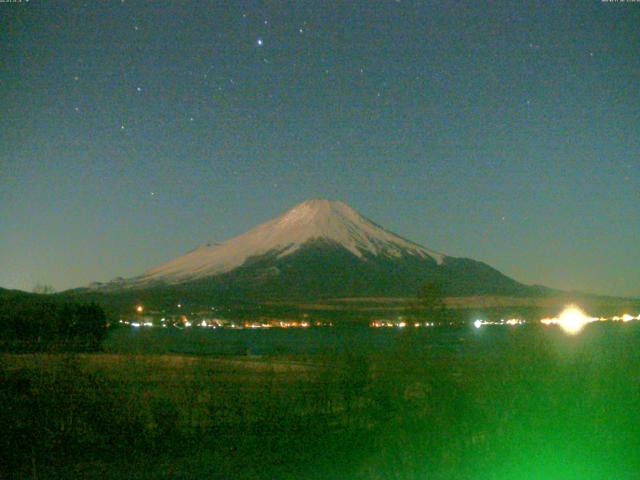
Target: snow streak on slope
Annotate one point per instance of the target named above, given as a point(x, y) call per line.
point(312, 220)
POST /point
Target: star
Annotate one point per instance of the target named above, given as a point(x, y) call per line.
point(259, 42)
point(77, 109)
point(76, 78)
point(122, 127)
point(138, 89)
point(136, 28)
point(191, 119)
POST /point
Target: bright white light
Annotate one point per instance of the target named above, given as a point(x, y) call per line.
point(572, 320)
point(627, 318)
point(260, 42)
point(135, 324)
point(477, 323)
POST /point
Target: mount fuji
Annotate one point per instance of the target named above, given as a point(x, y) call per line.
point(318, 249)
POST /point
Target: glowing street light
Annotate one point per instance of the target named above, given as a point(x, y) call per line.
point(139, 309)
point(572, 320)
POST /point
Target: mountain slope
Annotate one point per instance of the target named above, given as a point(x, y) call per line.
point(325, 270)
point(318, 249)
point(312, 220)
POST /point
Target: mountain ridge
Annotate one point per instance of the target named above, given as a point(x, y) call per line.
point(310, 220)
point(318, 249)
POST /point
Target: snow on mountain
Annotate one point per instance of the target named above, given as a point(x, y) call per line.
point(331, 221)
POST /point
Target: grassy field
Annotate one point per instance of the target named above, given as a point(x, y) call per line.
point(522, 403)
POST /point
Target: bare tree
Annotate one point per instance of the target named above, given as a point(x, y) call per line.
point(429, 304)
point(43, 289)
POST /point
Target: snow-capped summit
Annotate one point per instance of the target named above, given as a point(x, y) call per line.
point(318, 219)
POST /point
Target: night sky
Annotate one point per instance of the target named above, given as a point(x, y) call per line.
point(508, 132)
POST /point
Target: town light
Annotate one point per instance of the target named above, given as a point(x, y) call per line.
point(572, 320)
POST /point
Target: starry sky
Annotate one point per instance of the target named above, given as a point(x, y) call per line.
point(507, 132)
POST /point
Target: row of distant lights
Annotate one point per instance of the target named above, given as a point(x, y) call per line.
point(204, 324)
point(401, 324)
point(572, 320)
point(215, 324)
point(510, 321)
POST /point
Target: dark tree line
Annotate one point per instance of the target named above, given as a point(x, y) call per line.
point(428, 305)
point(30, 323)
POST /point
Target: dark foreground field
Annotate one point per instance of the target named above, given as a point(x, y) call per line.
point(518, 403)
